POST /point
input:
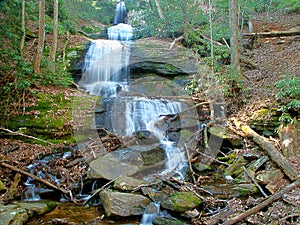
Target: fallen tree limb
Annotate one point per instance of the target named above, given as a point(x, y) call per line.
point(100, 189)
point(263, 204)
point(274, 154)
point(176, 40)
point(25, 135)
point(292, 32)
point(35, 178)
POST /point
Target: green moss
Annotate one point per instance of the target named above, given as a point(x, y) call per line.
point(182, 201)
point(49, 119)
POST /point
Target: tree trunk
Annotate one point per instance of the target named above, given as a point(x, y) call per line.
point(161, 15)
point(55, 31)
point(23, 28)
point(40, 47)
point(233, 23)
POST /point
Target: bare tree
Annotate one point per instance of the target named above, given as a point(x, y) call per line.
point(161, 15)
point(55, 31)
point(233, 23)
point(23, 27)
point(40, 47)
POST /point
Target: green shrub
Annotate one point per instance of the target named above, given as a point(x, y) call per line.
point(289, 97)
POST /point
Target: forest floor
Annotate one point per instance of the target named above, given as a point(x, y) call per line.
point(270, 58)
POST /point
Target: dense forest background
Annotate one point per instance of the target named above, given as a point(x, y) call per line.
point(199, 25)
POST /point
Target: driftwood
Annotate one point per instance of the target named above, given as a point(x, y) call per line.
point(274, 154)
point(263, 204)
point(37, 179)
point(291, 32)
point(25, 135)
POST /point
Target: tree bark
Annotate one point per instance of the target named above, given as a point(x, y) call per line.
point(274, 154)
point(55, 31)
point(234, 45)
point(40, 47)
point(23, 28)
point(291, 32)
point(160, 13)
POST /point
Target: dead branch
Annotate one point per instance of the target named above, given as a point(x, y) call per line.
point(190, 164)
point(254, 181)
point(176, 40)
point(291, 32)
point(100, 189)
point(35, 178)
point(263, 204)
point(274, 154)
point(25, 135)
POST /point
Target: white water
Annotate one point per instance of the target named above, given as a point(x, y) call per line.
point(120, 12)
point(122, 31)
point(105, 69)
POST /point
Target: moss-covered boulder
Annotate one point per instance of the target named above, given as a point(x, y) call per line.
point(19, 213)
point(181, 201)
point(49, 117)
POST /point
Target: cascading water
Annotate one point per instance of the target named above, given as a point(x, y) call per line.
point(105, 70)
point(106, 73)
point(121, 12)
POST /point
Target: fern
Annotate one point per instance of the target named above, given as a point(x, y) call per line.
point(289, 95)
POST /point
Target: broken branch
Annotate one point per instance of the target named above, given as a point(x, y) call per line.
point(25, 135)
point(34, 177)
point(274, 154)
point(263, 204)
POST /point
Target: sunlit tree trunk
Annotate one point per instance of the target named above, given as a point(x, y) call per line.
point(55, 31)
point(161, 15)
point(40, 47)
point(233, 23)
point(23, 27)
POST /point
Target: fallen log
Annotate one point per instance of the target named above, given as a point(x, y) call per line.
point(291, 32)
point(263, 204)
point(25, 135)
point(274, 154)
point(36, 178)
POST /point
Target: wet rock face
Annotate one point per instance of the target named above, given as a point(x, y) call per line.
point(123, 204)
point(151, 55)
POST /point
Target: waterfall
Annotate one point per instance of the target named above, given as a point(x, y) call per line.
point(105, 70)
point(105, 73)
point(121, 12)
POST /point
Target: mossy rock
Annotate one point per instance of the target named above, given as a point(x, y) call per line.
point(2, 187)
point(225, 134)
point(181, 201)
point(49, 119)
point(265, 121)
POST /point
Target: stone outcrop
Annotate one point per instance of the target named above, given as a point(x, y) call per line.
point(123, 204)
point(153, 55)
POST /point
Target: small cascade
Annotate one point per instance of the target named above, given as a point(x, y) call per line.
point(105, 70)
point(142, 113)
point(137, 114)
point(150, 214)
point(122, 32)
point(121, 12)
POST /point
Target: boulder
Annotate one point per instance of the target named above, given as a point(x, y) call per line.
point(110, 166)
point(19, 213)
point(123, 204)
point(128, 183)
point(181, 201)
